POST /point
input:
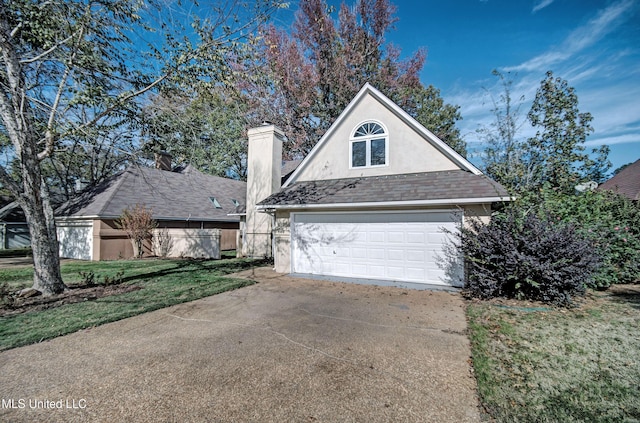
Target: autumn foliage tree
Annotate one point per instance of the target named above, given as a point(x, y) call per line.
point(305, 77)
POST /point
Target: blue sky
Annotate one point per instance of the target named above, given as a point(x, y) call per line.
point(594, 45)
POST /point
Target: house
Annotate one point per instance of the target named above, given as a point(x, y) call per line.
point(626, 182)
point(14, 231)
point(192, 210)
point(373, 200)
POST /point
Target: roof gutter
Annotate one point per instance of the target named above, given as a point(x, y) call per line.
point(161, 218)
point(385, 204)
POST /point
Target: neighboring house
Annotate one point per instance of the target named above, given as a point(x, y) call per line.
point(372, 200)
point(193, 208)
point(14, 231)
point(625, 182)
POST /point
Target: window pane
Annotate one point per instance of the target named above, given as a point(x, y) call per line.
point(359, 154)
point(377, 152)
point(369, 129)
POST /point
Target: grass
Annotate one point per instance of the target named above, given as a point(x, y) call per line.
point(559, 365)
point(163, 282)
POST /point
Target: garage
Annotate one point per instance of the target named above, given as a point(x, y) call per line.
point(391, 246)
point(76, 239)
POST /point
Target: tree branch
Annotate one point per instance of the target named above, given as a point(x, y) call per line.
point(46, 52)
point(49, 134)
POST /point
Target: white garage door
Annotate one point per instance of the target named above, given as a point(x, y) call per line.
point(404, 247)
point(76, 239)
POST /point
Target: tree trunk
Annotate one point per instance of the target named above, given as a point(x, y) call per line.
point(36, 204)
point(46, 261)
point(138, 249)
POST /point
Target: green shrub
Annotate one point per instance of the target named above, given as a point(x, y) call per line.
point(525, 256)
point(612, 222)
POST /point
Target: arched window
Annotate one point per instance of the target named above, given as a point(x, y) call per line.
point(369, 145)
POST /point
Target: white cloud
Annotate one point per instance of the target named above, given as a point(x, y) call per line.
point(605, 80)
point(613, 140)
point(605, 22)
point(541, 5)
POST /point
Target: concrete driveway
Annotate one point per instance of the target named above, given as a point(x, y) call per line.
point(283, 350)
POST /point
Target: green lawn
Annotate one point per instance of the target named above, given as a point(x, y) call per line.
point(577, 365)
point(163, 283)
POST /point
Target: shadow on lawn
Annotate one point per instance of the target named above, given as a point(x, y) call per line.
point(629, 294)
point(217, 267)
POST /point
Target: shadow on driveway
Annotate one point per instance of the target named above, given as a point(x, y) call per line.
point(283, 350)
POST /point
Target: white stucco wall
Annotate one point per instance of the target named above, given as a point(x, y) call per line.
point(193, 243)
point(409, 151)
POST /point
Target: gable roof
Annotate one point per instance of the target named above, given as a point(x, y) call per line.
point(626, 182)
point(184, 194)
point(368, 89)
point(430, 188)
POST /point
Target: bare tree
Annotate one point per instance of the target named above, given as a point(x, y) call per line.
point(503, 154)
point(138, 223)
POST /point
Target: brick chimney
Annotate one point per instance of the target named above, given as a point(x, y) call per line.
point(163, 161)
point(264, 164)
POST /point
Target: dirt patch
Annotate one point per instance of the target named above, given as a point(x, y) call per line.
point(616, 293)
point(74, 294)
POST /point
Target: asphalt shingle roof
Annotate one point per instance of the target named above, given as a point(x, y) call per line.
point(288, 167)
point(626, 182)
point(443, 185)
point(177, 195)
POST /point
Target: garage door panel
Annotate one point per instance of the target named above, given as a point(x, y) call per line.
point(354, 238)
point(436, 238)
point(376, 253)
point(376, 271)
point(358, 269)
point(394, 272)
point(343, 268)
point(413, 273)
point(395, 237)
point(395, 254)
point(376, 236)
point(359, 252)
point(402, 246)
point(415, 237)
